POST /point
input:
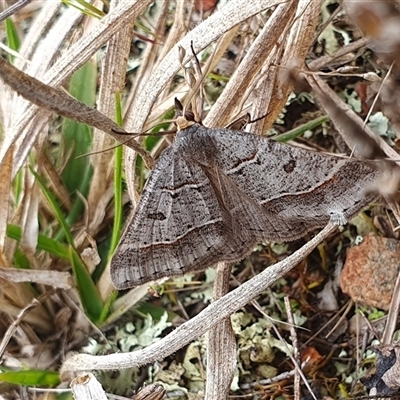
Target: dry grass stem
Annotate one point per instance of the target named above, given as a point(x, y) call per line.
point(203, 322)
point(221, 344)
point(259, 51)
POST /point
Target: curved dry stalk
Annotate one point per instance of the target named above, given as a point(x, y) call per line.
point(41, 53)
point(113, 75)
point(5, 188)
point(359, 137)
point(296, 47)
point(19, 5)
point(144, 73)
point(203, 322)
point(37, 31)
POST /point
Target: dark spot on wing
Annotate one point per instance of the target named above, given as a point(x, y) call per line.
point(290, 166)
point(159, 216)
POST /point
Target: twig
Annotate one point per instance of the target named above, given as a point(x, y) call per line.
point(394, 309)
point(13, 9)
point(200, 324)
point(296, 353)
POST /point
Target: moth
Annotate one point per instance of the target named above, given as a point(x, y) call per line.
point(216, 193)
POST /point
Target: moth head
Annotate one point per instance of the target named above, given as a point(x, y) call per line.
point(184, 118)
point(183, 123)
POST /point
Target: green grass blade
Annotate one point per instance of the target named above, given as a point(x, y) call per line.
point(21, 260)
point(117, 185)
point(299, 131)
point(65, 396)
point(85, 8)
point(52, 246)
point(218, 78)
point(18, 186)
point(107, 306)
point(13, 40)
point(90, 298)
point(39, 378)
point(89, 295)
point(56, 208)
point(78, 140)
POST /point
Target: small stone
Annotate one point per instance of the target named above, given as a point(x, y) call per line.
point(371, 270)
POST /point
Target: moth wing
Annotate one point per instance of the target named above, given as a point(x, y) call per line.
point(177, 226)
point(266, 169)
point(299, 190)
point(254, 222)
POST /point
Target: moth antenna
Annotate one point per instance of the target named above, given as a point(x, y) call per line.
point(198, 102)
point(92, 153)
point(238, 124)
point(352, 152)
point(197, 61)
point(252, 121)
point(197, 105)
point(161, 133)
point(147, 133)
point(132, 135)
point(241, 122)
point(195, 85)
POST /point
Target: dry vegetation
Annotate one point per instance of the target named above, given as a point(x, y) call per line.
point(62, 210)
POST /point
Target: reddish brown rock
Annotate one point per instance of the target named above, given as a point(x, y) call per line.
point(371, 270)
